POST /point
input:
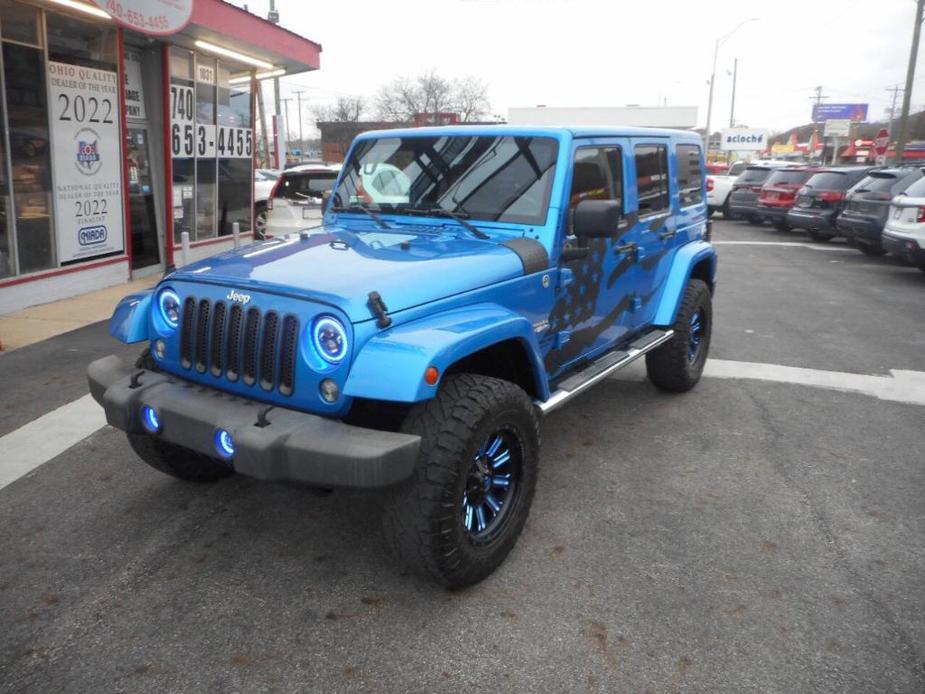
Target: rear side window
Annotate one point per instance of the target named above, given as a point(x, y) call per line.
point(652, 178)
point(881, 183)
point(690, 174)
point(302, 186)
point(917, 189)
point(905, 182)
point(788, 177)
point(597, 175)
point(737, 168)
point(754, 174)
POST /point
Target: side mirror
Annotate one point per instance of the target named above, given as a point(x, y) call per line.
point(596, 219)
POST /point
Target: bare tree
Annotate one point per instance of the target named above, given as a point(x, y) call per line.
point(470, 95)
point(404, 98)
point(347, 109)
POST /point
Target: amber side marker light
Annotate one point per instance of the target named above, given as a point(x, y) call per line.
point(431, 375)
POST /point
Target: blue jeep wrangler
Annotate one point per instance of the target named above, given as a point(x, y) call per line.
point(464, 282)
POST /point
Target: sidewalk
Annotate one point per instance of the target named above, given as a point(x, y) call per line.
point(41, 322)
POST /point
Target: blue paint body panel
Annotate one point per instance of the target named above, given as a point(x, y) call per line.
point(449, 294)
point(131, 318)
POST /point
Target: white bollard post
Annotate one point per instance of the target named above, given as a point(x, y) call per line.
point(236, 234)
point(184, 248)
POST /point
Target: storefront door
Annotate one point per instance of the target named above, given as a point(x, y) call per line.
point(145, 247)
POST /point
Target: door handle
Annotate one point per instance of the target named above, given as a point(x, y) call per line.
point(625, 248)
point(669, 234)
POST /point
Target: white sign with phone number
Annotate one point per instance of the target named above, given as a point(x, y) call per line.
point(191, 139)
point(156, 17)
point(87, 161)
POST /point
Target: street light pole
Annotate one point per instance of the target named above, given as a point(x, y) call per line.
point(301, 141)
point(910, 77)
point(721, 39)
point(732, 108)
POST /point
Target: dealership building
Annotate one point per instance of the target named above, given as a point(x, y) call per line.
point(122, 131)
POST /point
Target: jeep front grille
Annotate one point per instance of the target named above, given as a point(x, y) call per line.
point(235, 343)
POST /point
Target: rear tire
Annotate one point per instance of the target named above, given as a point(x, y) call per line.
point(782, 225)
point(457, 518)
point(727, 214)
point(260, 220)
point(178, 461)
point(820, 236)
point(754, 219)
point(677, 365)
point(873, 251)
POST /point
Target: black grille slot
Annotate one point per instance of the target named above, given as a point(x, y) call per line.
point(251, 330)
point(233, 345)
point(218, 338)
point(202, 335)
point(287, 351)
point(268, 350)
point(186, 333)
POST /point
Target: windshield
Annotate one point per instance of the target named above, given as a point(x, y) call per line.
point(302, 186)
point(502, 179)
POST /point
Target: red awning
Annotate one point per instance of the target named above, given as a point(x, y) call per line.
point(238, 30)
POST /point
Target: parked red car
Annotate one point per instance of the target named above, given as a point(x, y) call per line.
point(778, 194)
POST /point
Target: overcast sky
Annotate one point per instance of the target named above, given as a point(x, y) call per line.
point(613, 53)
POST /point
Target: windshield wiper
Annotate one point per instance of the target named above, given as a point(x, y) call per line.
point(457, 216)
point(365, 210)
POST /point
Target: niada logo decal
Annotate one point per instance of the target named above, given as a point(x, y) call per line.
point(88, 151)
point(90, 236)
point(239, 297)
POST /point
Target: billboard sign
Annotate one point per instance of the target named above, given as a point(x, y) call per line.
point(837, 127)
point(87, 160)
point(743, 140)
point(824, 112)
point(155, 17)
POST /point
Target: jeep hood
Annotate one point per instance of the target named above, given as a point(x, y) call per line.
point(341, 267)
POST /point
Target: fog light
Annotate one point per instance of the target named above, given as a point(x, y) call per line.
point(329, 390)
point(160, 349)
point(149, 420)
point(224, 444)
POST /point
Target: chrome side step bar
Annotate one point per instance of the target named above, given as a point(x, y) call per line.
point(601, 368)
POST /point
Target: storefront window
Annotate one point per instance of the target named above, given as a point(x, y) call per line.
point(81, 43)
point(205, 147)
point(24, 81)
point(182, 140)
point(19, 22)
point(235, 164)
point(6, 250)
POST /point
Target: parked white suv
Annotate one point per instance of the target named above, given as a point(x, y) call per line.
point(296, 200)
point(904, 232)
point(719, 186)
point(264, 180)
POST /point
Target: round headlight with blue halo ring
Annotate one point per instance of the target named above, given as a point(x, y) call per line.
point(150, 419)
point(224, 444)
point(168, 308)
point(329, 338)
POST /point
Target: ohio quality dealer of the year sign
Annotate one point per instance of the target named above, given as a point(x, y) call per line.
point(87, 160)
point(156, 17)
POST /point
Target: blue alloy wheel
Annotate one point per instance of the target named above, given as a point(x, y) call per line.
point(491, 486)
point(695, 339)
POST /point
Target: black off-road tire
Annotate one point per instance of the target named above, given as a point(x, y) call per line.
point(820, 236)
point(669, 366)
point(422, 516)
point(178, 461)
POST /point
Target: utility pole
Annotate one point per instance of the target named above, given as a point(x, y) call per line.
point(298, 95)
point(818, 99)
point(273, 16)
point(732, 109)
point(910, 77)
point(889, 126)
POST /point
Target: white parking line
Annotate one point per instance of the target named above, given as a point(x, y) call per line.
point(42, 439)
point(787, 244)
point(47, 437)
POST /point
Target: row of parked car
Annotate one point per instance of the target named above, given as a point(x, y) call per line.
point(877, 209)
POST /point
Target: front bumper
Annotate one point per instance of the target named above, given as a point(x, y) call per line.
point(292, 446)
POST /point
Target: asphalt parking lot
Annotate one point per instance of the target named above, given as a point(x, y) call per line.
point(749, 536)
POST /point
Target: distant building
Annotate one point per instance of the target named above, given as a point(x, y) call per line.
point(612, 116)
